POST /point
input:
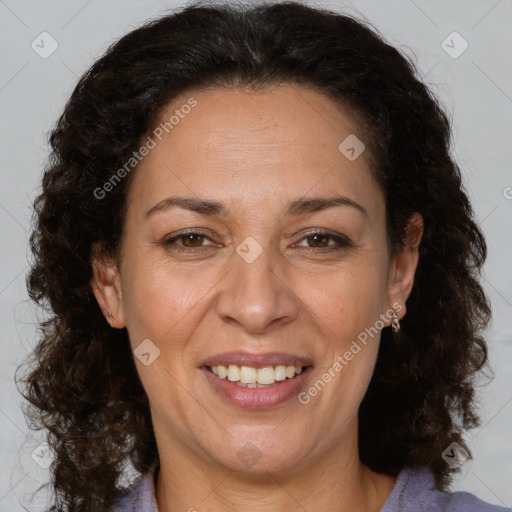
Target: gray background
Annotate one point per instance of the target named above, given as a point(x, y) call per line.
point(475, 87)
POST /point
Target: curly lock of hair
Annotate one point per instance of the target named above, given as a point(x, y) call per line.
point(83, 386)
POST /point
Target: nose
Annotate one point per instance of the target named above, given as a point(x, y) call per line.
point(256, 294)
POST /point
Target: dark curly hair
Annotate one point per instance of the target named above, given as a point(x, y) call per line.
point(83, 386)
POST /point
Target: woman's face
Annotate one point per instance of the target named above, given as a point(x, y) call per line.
point(255, 279)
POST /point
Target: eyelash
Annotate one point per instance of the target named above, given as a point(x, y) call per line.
point(341, 242)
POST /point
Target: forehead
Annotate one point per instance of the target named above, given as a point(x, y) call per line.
point(254, 148)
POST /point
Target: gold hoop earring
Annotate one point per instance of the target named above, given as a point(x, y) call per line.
point(395, 324)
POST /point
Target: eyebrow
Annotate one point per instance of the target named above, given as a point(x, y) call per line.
point(216, 209)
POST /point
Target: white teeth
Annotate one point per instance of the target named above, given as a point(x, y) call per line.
point(266, 375)
point(290, 371)
point(280, 372)
point(240, 384)
point(222, 371)
point(247, 376)
point(233, 372)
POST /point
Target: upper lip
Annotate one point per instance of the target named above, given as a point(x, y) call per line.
point(243, 358)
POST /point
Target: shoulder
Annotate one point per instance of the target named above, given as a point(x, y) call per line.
point(140, 497)
point(414, 491)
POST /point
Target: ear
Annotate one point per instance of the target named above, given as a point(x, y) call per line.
point(403, 266)
point(106, 286)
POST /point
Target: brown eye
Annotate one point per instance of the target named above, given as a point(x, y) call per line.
point(317, 238)
point(187, 242)
point(194, 239)
point(319, 241)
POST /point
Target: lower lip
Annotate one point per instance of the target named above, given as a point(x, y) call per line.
point(258, 398)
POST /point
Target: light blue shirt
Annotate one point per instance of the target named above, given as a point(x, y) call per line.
point(414, 491)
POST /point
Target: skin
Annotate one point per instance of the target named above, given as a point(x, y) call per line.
point(255, 152)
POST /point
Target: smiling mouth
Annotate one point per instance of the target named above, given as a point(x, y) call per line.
point(250, 377)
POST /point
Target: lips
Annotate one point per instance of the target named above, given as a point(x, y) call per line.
point(257, 397)
point(254, 360)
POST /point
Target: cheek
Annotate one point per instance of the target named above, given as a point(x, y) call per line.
point(160, 299)
point(351, 352)
point(347, 307)
point(347, 300)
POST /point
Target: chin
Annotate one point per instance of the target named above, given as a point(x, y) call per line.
point(259, 454)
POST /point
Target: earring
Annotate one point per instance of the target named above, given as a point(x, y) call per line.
point(395, 324)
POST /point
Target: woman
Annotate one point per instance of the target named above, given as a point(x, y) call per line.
point(263, 273)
